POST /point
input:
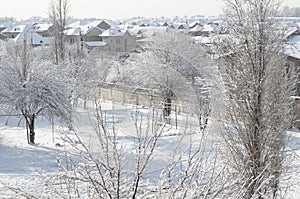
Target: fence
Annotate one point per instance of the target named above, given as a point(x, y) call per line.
point(141, 97)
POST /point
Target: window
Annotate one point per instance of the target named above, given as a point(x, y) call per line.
point(118, 41)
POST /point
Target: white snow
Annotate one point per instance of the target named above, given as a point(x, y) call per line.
point(112, 33)
point(17, 29)
point(73, 32)
point(25, 166)
point(33, 38)
point(95, 43)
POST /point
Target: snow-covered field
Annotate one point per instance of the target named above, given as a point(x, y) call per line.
point(25, 167)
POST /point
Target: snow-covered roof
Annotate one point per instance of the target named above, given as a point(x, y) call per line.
point(72, 32)
point(32, 38)
point(212, 27)
point(86, 28)
point(16, 29)
point(293, 51)
point(293, 47)
point(112, 33)
point(147, 39)
point(41, 27)
point(74, 25)
point(150, 31)
point(183, 26)
point(290, 30)
point(76, 28)
point(294, 40)
point(196, 28)
point(194, 23)
point(203, 40)
point(95, 43)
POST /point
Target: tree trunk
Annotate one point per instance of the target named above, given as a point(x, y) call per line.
point(31, 129)
point(167, 106)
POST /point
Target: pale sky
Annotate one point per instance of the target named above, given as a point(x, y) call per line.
point(118, 9)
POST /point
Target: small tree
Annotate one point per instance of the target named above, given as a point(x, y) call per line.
point(111, 167)
point(32, 88)
point(258, 89)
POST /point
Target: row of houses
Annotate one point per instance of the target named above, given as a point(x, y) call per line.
point(101, 34)
point(118, 38)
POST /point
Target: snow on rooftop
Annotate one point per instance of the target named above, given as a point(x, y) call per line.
point(32, 38)
point(72, 32)
point(41, 27)
point(293, 50)
point(294, 40)
point(150, 31)
point(203, 40)
point(18, 28)
point(290, 30)
point(196, 28)
point(112, 33)
point(210, 27)
point(96, 43)
point(194, 23)
point(74, 25)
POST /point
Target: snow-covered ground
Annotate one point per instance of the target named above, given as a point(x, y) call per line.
point(25, 167)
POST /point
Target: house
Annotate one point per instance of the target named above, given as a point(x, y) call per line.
point(32, 38)
point(2, 27)
point(2, 37)
point(30, 33)
point(196, 30)
point(91, 45)
point(182, 26)
point(86, 33)
point(293, 55)
point(142, 33)
point(194, 24)
point(292, 52)
point(73, 35)
point(13, 31)
point(118, 40)
point(92, 30)
point(209, 28)
point(43, 29)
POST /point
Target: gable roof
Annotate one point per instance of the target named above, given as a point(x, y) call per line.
point(32, 38)
point(15, 29)
point(196, 28)
point(72, 32)
point(112, 33)
point(95, 43)
point(41, 27)
point(292, 48)
point(76, 28)
point(294, 40)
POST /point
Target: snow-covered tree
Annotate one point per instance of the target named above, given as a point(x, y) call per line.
point(32, 87)
point(109, 166)
point(58, 14)
point(178, 69)
point(84, 76)
point(258, 101)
